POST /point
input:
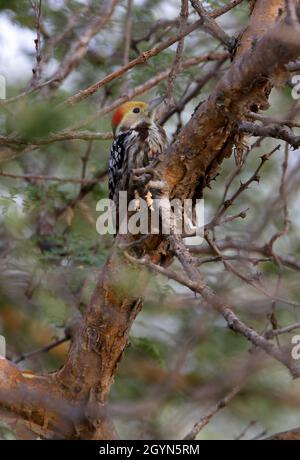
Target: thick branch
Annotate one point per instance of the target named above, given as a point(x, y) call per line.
point(277, 132)
point(43, 402)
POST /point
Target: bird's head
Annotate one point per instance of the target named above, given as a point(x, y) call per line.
point(132, 113)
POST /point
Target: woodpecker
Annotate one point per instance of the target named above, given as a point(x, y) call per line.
point(138, 139)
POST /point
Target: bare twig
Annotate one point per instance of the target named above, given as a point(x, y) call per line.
point(79, 49)
point(33, 177)
point(290, 435)
point(293, 66)
point(248, 280)
point(224, 9)
point(127, 38)
point(283, 196)
point(244, 186)
point(37, 70)
point(207, 418)
point(248, 246)
point(194, 91)
point(58, 38)
point(272, 120)
point(141, 59)
point(39, 351)
point(148, 85)
point(244, 431)
point(57, 137)
point(283, 330)
point(196, 284)
point(176, 68)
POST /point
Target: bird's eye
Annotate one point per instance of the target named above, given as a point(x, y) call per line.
point(136, 110)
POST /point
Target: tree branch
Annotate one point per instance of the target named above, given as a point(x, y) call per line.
point(277, 132)
point(290, 435)
point(79, 49)
point(144, 57)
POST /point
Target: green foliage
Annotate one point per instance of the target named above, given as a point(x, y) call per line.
point(36, 120)
point(149, 348)
point(50, 307)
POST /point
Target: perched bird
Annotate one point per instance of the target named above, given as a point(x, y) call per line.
point(137, 140)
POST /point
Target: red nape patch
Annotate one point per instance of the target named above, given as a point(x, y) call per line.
point(117, 117)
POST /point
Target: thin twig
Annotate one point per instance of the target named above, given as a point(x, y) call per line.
point(141, 59)
point(207, 418)
point(57, 137)
point(277, 132)
point(248, 280)
point(224, 9)
point(283, 196)
point(38, 351)
point(248, 246)
point(196, 284)
point(147, 86)
point(37, 70)
point(272, 120)
point(244, 431)
point(58, 38)
point(176, 68)
point(127, 39)
point(79, 48)
point(243, 186)
point(33, 177)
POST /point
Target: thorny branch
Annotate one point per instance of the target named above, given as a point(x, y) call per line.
point(127, 37)
point(194, 281)
point(144, 57)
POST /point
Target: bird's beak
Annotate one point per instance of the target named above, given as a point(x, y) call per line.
point(153, 105)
